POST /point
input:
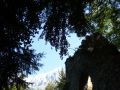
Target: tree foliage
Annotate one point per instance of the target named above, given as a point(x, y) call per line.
point(60, 17)
point(81, 17)
point(18, 23)
point(104, 17)
point(60, 83)
point(50, 86)
point(21, 20)
point(64, 16)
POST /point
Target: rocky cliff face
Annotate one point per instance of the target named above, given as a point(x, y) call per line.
point(102, 64)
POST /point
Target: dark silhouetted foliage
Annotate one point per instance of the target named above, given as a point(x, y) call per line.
point(81, 17)
point(18, 23)
point(20, 20)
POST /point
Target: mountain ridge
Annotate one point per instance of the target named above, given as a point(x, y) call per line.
point(41, 80)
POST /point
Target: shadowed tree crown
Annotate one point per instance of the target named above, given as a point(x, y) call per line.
point(21, 20)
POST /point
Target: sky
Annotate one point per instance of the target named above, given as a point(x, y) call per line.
point(51, 59)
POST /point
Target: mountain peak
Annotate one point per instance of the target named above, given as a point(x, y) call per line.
point(41, 80)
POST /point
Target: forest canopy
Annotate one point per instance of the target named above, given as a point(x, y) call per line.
point(20, 20)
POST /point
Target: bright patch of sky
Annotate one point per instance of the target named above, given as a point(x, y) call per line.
point(52, 60)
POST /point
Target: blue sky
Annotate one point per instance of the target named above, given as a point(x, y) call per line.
point(52, 60)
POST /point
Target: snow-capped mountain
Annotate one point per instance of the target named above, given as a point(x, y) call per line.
point(41, 80)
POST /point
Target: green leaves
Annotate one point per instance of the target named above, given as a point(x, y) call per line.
point(104, 17)
point(21, 20)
